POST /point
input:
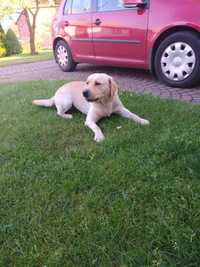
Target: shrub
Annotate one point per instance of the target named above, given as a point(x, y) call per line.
point(2, 42)
point(13, 45)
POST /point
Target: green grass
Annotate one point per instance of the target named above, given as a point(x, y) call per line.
point(133, 200)
point(26, 58)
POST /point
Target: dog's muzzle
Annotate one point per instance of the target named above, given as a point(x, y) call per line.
point(88, 96)
point(86, 93)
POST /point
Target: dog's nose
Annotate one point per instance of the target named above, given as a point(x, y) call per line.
point(86, 93)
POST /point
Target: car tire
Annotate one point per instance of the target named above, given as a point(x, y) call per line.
point(63, 56)
point(177, 60)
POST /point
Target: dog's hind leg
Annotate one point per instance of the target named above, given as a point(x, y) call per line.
point(63, 115)
point(62, 106)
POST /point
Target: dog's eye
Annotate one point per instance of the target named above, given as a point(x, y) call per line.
point(87, 82)
point(97, 83)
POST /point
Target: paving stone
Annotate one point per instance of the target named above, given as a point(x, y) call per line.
point(188, 98)
point(139, 81)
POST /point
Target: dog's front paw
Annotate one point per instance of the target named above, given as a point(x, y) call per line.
point(144, 122)
point(99, 137)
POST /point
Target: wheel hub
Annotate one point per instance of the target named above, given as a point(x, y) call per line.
point(62, 55)
point(178, 61)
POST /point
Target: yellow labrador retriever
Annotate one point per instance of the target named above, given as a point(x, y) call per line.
point(97, 98)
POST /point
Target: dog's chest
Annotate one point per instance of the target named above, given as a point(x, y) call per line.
point(107, 110)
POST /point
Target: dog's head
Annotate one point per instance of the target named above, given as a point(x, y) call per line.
point(100, 87)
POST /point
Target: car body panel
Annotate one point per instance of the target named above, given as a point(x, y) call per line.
point(121, 41)
point(126, 37)
point(166, 15)
point(78, 32)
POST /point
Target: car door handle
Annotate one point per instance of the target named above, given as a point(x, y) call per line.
point(66, 23)
point(97, 22)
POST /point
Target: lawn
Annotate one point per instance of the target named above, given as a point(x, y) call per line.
point(26, 58)
point(133, 200)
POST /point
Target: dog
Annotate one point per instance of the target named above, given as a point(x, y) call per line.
point(96, 98)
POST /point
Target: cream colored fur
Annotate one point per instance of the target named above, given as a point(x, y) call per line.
point(101, 100)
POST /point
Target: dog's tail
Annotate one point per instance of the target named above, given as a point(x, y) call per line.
point(44, 102)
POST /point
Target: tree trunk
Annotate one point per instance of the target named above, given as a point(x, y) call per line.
point(31, 30)
point(32, 45)
point(32, 37)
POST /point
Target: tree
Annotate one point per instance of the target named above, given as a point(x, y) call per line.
point(2, 42)
point(13, 46)
point(31, 15)
point(30, 10)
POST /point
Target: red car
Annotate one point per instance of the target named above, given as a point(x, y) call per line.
point(160, 35)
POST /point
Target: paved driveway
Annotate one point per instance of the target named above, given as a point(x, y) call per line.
point(130, 79)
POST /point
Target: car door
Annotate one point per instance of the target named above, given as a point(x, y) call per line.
point(119, 33)
point(78, 30)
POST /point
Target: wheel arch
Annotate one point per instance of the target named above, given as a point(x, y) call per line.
point(164, 35)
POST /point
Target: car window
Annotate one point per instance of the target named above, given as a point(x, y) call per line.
point(81, 6)
point(109, 5)
point(67, 8)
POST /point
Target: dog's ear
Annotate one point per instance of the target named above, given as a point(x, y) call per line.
point(113, 87)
